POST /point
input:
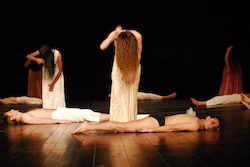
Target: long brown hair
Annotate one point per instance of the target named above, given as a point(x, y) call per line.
point(127, 55)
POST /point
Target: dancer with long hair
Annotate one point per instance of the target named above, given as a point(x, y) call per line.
point(125, 73)
point(52, 76)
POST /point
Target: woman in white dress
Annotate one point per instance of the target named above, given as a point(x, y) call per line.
point(52, 76)
point(125, 73)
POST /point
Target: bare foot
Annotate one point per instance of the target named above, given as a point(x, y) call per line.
point(171, 96)
point(198, 103)
point(245, 100)
point(82, 128)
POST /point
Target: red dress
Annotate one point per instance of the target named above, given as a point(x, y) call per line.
point(34, 81)
point(231, 82)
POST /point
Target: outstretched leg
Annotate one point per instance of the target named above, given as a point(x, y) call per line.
point(132, 126)
point(171, 96)
point(198, 103)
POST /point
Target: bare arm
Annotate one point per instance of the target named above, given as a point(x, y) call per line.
point(60, 66)
point(33, 56)
point(138, 37)
point(111, 37)
point(172, 128)
point(227, 58)
point(29, 119)
point(27, 63)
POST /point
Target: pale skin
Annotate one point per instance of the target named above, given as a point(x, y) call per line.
point(41, 116)
point(245, 100)
point(11, 100)
point(33, 56)
point(180, 122)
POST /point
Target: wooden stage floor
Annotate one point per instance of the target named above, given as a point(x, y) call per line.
point(53, 145)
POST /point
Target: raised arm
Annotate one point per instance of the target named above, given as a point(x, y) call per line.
point(138, 37)
point(60, 67)
point(29, 119)
point(33, 56)
point(111, 37)
point(27, 63)
point(229, 49)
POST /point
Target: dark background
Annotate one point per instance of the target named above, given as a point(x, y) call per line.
point(184, 43)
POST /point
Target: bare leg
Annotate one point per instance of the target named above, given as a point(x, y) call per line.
point(11, 100)
point(245, 100)
point(171, 96)
point(86, 126)
point(198, 103)
point(132, 126)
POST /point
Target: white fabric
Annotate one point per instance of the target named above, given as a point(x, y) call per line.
point(141, 116)
point(29, 100)
point(149, 96)
point(224, 99)
point(190, 111)
point(76, 114)
point(123, 102)
point(53, 99)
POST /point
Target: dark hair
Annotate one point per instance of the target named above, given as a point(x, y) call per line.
point(48, 56)
point(218, 128)
point(34, 66)
point(7, 120)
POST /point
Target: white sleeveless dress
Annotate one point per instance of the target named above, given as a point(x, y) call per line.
point(56, 98)
point(123, 101)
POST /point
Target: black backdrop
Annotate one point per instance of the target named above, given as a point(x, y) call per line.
point(184, 43)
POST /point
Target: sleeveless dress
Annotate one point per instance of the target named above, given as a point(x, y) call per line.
point(54, 99)
point(231, 82)
point(123, 101)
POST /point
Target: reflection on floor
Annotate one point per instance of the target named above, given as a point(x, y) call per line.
point(53, 145)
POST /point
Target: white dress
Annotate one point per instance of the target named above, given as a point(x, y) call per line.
point(54, 99)
point(123, 102)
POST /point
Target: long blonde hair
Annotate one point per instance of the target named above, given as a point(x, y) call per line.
point(127, 55)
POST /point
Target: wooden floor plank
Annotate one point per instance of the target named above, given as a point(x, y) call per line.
point(54, 145)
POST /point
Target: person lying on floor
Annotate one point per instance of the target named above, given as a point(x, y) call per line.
point(152, 96)
point(245, 100)
point(60, 116)
point(155, 123)
point(224, 99)
point(21, 100)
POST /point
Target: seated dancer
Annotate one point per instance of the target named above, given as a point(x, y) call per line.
point(21, 100)
point(60, 116)
point(152, 96)
point(155, 123)
point(224, 99)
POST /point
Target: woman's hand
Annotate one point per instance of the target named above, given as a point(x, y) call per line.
point(118, 29)
point(51, 87)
